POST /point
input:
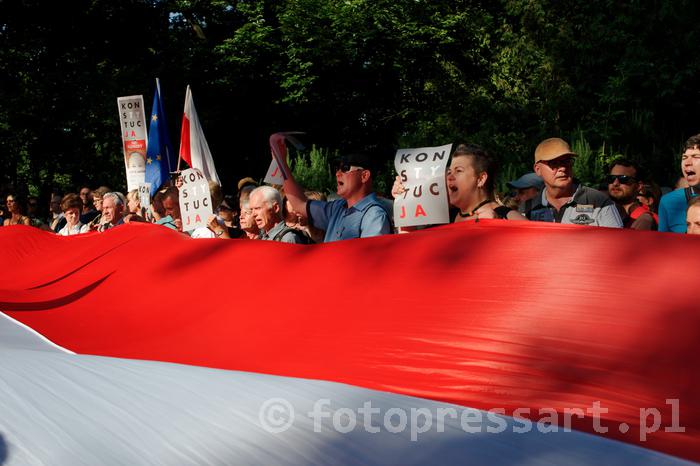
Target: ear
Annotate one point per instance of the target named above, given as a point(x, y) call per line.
point(481, 180)
point(276, 208)
point(536, 168)
point(366, 175)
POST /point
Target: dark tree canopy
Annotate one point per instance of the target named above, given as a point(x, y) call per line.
point(353, 74)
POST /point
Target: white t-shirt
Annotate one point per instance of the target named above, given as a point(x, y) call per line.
point(76, 230)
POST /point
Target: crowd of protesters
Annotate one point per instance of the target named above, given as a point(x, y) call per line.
point(292, 214)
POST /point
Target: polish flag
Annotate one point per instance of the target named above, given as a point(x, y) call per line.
point(193, 145)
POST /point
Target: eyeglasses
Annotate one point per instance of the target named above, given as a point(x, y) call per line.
point(345, 167)
point(623, 179)
point(558, 163)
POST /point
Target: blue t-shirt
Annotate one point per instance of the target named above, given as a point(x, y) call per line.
point(364, 219)
point(672, 210)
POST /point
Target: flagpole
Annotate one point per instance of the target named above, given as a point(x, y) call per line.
point(179, 153)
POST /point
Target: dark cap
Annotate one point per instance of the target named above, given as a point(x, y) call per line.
point(227, 204)
point(528, 180)
point(357, 159)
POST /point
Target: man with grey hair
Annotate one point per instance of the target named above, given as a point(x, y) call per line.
point(266, 204)
point(112, 211)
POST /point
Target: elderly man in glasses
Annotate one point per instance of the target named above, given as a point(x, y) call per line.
point(624, 183)
point(562, 200)
point(359, 214)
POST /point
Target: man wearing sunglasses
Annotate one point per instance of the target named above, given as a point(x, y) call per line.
point(624, 184)
point(673, 206)
point(359, 214)
point(562, 200)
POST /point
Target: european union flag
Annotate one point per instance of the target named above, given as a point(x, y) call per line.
point(160, 158)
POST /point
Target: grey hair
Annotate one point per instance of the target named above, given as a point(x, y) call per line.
point(116, 196)
point(269, 194)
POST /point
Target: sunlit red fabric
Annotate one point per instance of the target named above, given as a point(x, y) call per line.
point(487, 315)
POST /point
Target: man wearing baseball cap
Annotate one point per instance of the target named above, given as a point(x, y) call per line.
point(526, 188)
point(562, 200)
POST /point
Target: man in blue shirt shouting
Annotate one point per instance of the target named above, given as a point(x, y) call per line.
point(359, 214)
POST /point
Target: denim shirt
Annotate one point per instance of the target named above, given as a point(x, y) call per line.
point(366, 218)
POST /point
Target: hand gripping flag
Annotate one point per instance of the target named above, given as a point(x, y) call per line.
point(160, 158)
point(193, 145)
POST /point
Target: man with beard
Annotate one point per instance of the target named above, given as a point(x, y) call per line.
point(624, 182)
point(673, 206)
point(562, 200)
point(359, 214)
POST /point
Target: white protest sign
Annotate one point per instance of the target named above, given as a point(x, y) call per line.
point(134, 137)
point(274, 174)
point(195, 199)
point(145, 195)
point(422, 173)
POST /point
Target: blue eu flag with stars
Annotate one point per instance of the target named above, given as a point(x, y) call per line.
point(160, 158)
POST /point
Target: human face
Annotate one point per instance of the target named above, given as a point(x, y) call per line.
point(690, 165)
point(85, 195)
point(350, 182)
point(645, 200)
point(55, 204)
point(265, 215)
point(12, 205)
point(623, 193)
point(525, 194)
point(111, 212)
point(32, 206)
point(133, 204)
point(692, 220)
point(172, 207)
point(72, 216)
point(462, 182)
point(97, 202)
point(226, 214)
point(556, 173)
point(246, 219)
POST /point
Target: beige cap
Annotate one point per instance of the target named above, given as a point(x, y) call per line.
point(552, 148)
point(245, 181)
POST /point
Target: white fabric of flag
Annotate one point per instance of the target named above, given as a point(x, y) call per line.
point(193, 145)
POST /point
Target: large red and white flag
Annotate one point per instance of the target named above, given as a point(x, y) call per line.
point(193, 145)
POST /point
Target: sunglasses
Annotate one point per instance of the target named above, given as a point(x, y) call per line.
point(558, 163)
point(623, 179)
point(345, 167)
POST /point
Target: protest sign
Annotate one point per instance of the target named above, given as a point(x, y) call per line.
point(133, 125)
point(195, 199)
point(274, 174)
point(145, 195)
point(422, 173)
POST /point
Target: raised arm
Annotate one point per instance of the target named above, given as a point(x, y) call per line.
point(294, 192)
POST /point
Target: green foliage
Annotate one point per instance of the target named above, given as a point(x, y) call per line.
point(591, 165)
point(353, 74)
point(313, 170)
point(384, 178)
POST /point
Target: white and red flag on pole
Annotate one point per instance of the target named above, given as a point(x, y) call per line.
point(193, 145)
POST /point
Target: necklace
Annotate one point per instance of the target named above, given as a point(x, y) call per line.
point(469, 214)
